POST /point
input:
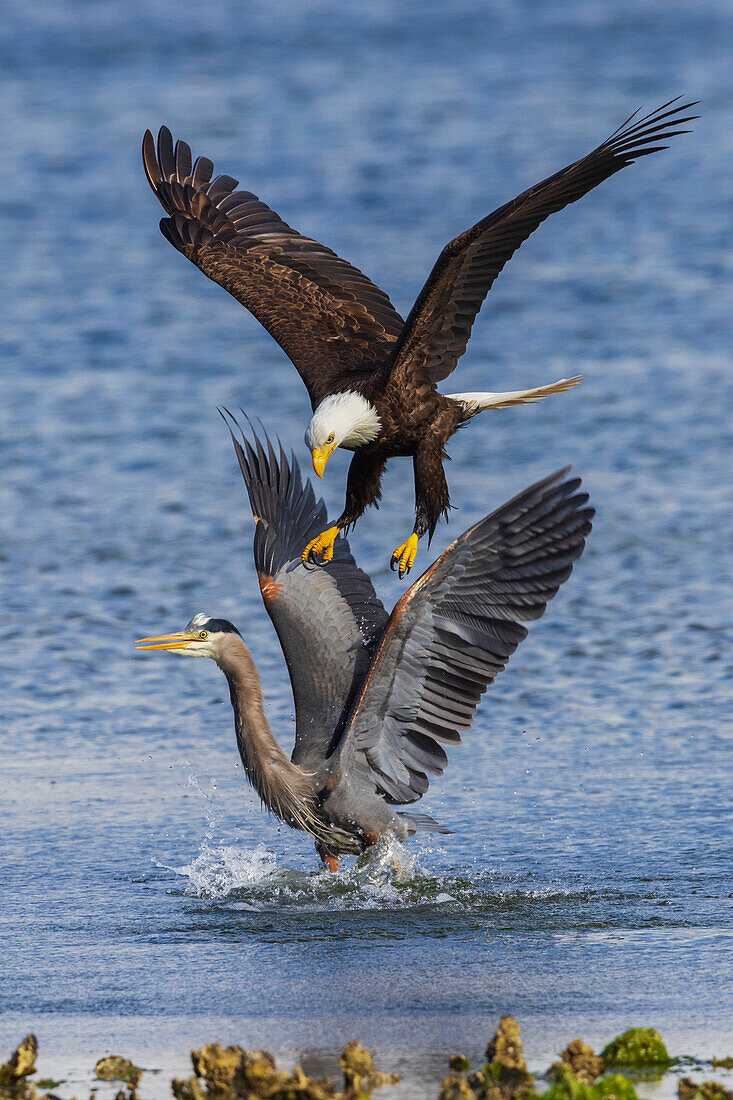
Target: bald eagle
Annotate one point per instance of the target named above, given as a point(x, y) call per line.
point(371, 376)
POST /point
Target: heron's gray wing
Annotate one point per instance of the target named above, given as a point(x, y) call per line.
point(327, 316)
point(438, 328)
point(454, 630)
point(329, 619)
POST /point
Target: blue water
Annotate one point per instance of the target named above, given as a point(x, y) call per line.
point(146, 903)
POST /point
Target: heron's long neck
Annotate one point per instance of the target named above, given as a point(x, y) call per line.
point(284, 788)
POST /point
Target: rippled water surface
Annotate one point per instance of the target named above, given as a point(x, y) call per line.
point(146, 903)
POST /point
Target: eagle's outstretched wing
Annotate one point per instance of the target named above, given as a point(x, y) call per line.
point(438, 328)
point(454, 630)
point(325, 314)
point(328, 620)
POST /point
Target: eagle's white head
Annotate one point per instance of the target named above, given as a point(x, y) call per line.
point(341, 420)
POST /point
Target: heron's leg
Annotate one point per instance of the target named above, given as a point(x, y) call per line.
point(431, 499)
point(331, 862)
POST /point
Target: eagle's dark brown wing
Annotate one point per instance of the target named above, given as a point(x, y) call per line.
point(439, 326)
point(325, 314)
point(454, 630)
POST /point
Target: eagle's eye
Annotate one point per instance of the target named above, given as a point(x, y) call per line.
point(203, 634)
point(329, 441)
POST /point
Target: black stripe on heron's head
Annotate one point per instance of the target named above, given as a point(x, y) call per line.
point(213, 626)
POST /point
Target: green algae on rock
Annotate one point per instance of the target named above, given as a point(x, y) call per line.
point(637, 1048)
point(567, 1086)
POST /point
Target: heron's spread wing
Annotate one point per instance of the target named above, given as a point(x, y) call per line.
point(438, 328)
point(326, 315)
point(454, 630)
point(328, 620)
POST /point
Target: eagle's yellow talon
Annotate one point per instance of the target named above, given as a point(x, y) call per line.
point(323, 545)
point(405, 555)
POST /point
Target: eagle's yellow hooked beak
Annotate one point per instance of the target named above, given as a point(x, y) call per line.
point(320, 456)
point(166, 641)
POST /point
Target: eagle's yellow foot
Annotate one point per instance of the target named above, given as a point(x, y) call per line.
point(322, 545)
point(405, 555)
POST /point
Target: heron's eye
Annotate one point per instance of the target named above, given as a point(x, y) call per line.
point(330, 439)
point(203, 633)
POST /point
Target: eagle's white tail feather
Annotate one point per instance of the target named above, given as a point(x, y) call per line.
point(477, 402)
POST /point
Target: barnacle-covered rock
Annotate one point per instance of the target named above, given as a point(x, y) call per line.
point(188, 1088)
point(456, 1087)
point(232, 1073)
point(20, 1065)
point(505, 1048)
point(505, 1075)
point(258, 1075)
point(360, 1076)
point(115, 1068)
point(581, 1059)
point(688, 1089)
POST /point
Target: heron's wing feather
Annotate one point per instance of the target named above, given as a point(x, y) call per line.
point(328, 619)
point(329, 318)
point(455, 629)
point(438, 328)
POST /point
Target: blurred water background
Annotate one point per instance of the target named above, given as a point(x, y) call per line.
point(146, 904)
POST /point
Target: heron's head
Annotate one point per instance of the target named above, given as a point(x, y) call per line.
point(341, 420)
point(203, 637)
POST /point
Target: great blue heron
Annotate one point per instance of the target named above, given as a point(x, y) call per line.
point(372, 377)
point(375, 694)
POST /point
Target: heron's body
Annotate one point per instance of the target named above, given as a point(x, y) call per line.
point(376, 695)
point(342, 332)
point(344, 815)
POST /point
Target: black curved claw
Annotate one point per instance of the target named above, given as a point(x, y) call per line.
point(314, 561)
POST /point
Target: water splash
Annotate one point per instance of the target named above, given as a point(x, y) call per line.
point(386, 877)
point(220, 870)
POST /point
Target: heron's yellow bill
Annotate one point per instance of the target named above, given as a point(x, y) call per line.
point(179, 640)
point(320, 456)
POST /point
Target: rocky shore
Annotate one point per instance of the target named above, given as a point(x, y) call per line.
point(232, 1073)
